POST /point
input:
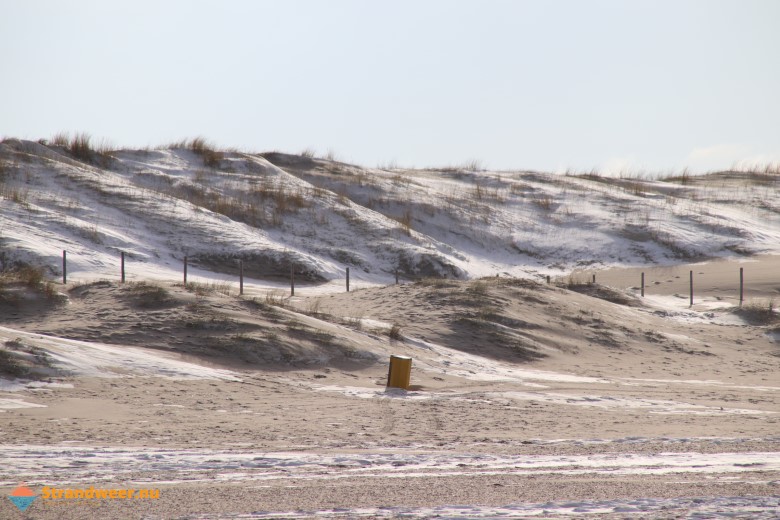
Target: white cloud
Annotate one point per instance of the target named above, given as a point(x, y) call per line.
point(716, 157)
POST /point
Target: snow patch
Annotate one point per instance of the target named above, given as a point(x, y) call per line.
point(18, 403)
point(102, 360)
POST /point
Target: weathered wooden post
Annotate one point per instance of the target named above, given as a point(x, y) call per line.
point(741, 286)
point(396, 276)
point(240, 277)
point(347, 279)
point(122, 265)
point(643, 285)
point(185, 270)
point(548, 279)
point(594, 277)
point(64, 267)
point(292, 279)
point(691, 275)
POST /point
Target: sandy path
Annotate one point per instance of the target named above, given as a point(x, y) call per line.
point(718, 279)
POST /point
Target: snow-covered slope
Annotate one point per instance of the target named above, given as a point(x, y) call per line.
point(273, 209)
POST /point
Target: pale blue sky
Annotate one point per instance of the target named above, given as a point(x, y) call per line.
point(515, 84)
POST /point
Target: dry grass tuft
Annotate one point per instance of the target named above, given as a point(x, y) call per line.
point(439, 283)
point(276, 299)
point(544, 202)
point(249, 206)
point(201, 146)
point(60, 139)
point(478, 288)
point(683, 177)
point(211, 157)
point(758, 312)
point(81, 147)
point(313, 307)
point(17, 195)
point(394, 332)
point(406, 221)
point(23, 361)
point(29, 276)
point(11, 365)
point(472, 165)
point(148, 294)
point(602, 292)
point(204, 288)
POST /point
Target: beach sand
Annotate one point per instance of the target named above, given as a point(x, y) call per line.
point(525, 398)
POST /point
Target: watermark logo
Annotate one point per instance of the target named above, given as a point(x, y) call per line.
point(22, 497)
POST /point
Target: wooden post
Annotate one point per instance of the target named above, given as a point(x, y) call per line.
point(396, 276)
point(548, 279)
point(292, 279)
point(643, 285)
point(594, 277)
point(691, 274)
point(741, 286)
point(185, 270)
point(240, 277)
point(347, 279)
point(122, 265)
point(64, 267)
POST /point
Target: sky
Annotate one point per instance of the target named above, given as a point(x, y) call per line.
point(613, 85)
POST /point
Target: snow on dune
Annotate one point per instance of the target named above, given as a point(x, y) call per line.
point(271, 210)
point(17, 403)
point(84, 358)
point(455, 362)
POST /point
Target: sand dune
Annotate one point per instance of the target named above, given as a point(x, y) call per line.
point(527, 399)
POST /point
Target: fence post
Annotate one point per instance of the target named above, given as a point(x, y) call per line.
point(548, 279)
point(347, 279)
point(643, 285)
point(691, 275)
point(741, 286)
point(594, 277)
point(122, 265)
point(396, 276)
point(240, 277)
point(64, 267)
point(185, 270)
point(292, 279)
